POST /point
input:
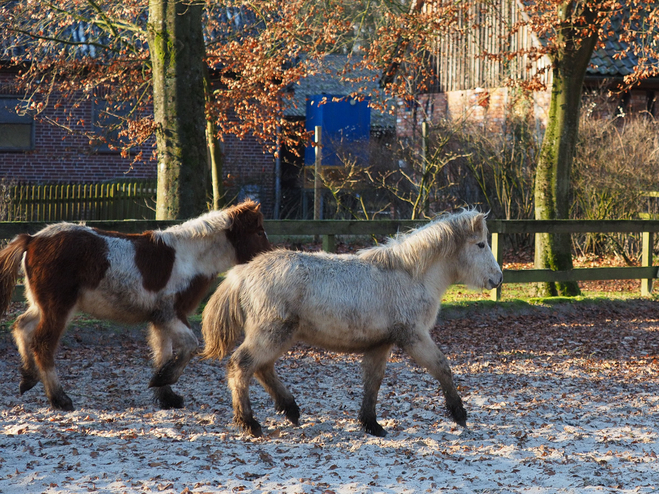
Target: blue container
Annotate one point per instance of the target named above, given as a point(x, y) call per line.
point(346, 127)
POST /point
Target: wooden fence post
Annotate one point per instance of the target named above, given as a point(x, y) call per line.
point(51, 205)
point(39, 206)
point(329, 243)
point(497, 251)
point(646, 261)
point(67, 207)
point(317, 191)
point(33, 205)
point(133, 206)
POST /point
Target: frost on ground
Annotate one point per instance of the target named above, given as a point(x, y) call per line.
point(560, 399)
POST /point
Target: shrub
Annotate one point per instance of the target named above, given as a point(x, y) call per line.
point(614, 169)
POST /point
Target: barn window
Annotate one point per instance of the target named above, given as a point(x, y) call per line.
point(16, 127)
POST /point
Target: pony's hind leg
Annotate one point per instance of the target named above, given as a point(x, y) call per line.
point(240, 369)
point(256, 355)
point(425, 352)
point(23, 331)
point(44, 344)
point(173, 345)
point(373, 366)
point(284, 400)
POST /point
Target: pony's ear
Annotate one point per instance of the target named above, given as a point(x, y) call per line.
point(248, 205)
point(253, 205)
point(478, 225)
point(246, 216)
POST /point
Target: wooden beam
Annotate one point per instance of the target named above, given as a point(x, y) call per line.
point(9, 229)
point(646, 261)
point(573, 226)
point(579, 274)
point(330, 228)
point(495, 293)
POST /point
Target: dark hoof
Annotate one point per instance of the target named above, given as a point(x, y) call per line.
point(292, 413)
point(373, 428)
point(61, 402)
point(167, 399)
point(165, 375)
point(250, 425)
point(459, 414)
point(28, 381)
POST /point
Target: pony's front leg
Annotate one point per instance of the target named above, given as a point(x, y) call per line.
point(173, 345)
point(373, 366)
point(425, 352)
point(44, 343)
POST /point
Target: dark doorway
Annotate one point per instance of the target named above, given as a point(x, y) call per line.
point(292, 165)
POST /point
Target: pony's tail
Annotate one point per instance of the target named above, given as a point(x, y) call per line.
point(10, 263)
point(223, 319)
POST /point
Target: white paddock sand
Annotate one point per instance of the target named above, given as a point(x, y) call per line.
point(559, 400)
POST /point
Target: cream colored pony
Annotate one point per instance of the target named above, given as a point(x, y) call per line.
point(360, 303)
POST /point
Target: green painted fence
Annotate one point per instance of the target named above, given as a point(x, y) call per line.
point(646, 272)
point(329, 229)
point(76, 202)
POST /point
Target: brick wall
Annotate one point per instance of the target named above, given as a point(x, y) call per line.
point(249, 171)
point(487, 107)
point(59, 156)
point(642, 101)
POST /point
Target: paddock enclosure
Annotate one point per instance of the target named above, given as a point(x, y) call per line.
point(328, 230)
point(561, 398)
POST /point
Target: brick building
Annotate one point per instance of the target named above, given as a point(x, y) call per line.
point(34, 150)
point(474, 88)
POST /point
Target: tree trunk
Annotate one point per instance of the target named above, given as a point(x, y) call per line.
point(215, 152)
point(177, 55)
point(216, 156)
point(552, 181)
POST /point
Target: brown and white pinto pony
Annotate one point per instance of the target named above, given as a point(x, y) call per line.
point(157, 277)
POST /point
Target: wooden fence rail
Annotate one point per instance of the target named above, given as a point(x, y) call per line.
point(329, 229)
point(76, 202)
point(646, 272)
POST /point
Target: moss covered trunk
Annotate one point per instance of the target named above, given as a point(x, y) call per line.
point(552, 182)
point(177, 55)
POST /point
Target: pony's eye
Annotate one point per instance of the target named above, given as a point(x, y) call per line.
point(481, 245)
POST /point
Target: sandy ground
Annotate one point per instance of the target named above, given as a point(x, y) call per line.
point(559, 400)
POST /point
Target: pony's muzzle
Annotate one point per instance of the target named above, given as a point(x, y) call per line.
point(495, 284)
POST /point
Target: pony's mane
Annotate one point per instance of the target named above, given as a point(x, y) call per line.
point(213, 221)
point(204, 225)
point(416, 250)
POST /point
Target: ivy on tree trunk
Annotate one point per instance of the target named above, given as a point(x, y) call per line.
point(552, 181)
point(177, 50)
